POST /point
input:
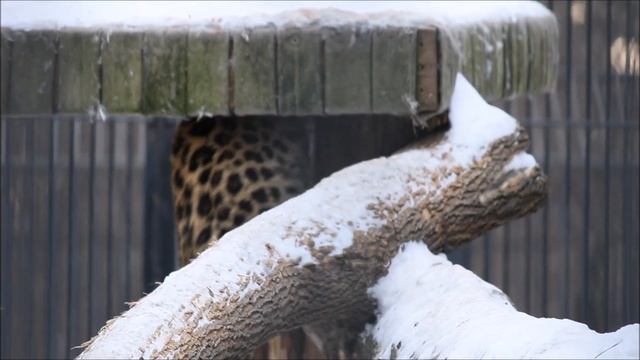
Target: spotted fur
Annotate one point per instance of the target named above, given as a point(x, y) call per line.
point(227, 170)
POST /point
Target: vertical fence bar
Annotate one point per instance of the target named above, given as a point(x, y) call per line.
point(607, 168)
point(110, 150)
point(506, 234)
point(545, 214)
point(91, 220)
point(129, 204)
point(505, 257)
point(159, 244)
point(527, 238)
point(567, 170)
point(486, 253)
point(626, 179)
point(7, 236)
point(30, 201)
point(545, 219)
point(587, 172)
point(71, 244)
point(52, 221)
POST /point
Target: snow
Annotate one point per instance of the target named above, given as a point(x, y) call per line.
point(521, 160)
point(329, 214)
point(435, 309)
point(474, 123)
point(234, 14)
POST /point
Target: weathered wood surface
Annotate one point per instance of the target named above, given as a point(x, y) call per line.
point(122, 62)
point(347, 72)
point(299, 72)
point(207, 75)
point(32, 64)
point(78, 71)
point(267, 70)
point(164, 85)
point(254, 72)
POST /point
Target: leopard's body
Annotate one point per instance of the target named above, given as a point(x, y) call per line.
point(227, 170)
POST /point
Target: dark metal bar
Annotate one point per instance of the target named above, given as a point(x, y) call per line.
point(607, 166)
point(545, 219)
point(159, 242)
point(72, 248)
point(5, 216)
point(527, 236)
point(626, 179)
point(30, 201)
point(567, 173)
point(7, 240)
point(111, 150)
point(129, 202)
point(506, 253)
point(587, 173)
point(505, 257)
point(486, 255)
point(92, 235)
point(52, 228)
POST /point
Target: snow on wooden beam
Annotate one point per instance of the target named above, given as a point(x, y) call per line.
point(429, 308)
point(306, 62)
point(314, 257)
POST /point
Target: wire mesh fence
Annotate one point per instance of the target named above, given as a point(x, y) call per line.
point(87, 219)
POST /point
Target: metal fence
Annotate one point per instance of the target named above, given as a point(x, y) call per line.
point(87, 220)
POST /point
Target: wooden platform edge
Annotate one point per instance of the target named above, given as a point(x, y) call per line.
point(327, 71)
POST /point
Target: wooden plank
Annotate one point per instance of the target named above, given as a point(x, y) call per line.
point(465, 42)
point(299, 72)
point(479, 58)
point(507, 90)
point(427, 58)
point(536, 56)
point(122, 72)
point(164, 66)
point(5, 58)
point(516, 59)
point(78, 71)
point(552, 56)
point(448, 66)
point(347, 70)
point(487, 55)
point(497, 38)
point(207, 71)
point(33, 57)
point(394, 70)
point(254, 68)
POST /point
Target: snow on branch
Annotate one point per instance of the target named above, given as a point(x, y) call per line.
point(314, 257)
point(429, 308)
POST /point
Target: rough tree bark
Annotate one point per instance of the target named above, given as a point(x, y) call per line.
point(314, 257)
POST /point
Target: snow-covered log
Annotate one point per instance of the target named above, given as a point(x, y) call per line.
point(314, 257)
point(429, 308)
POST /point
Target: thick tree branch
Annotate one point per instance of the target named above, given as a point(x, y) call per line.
point(429, 308)
point(314, 257)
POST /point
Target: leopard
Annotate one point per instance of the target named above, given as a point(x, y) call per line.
point(225, 170)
